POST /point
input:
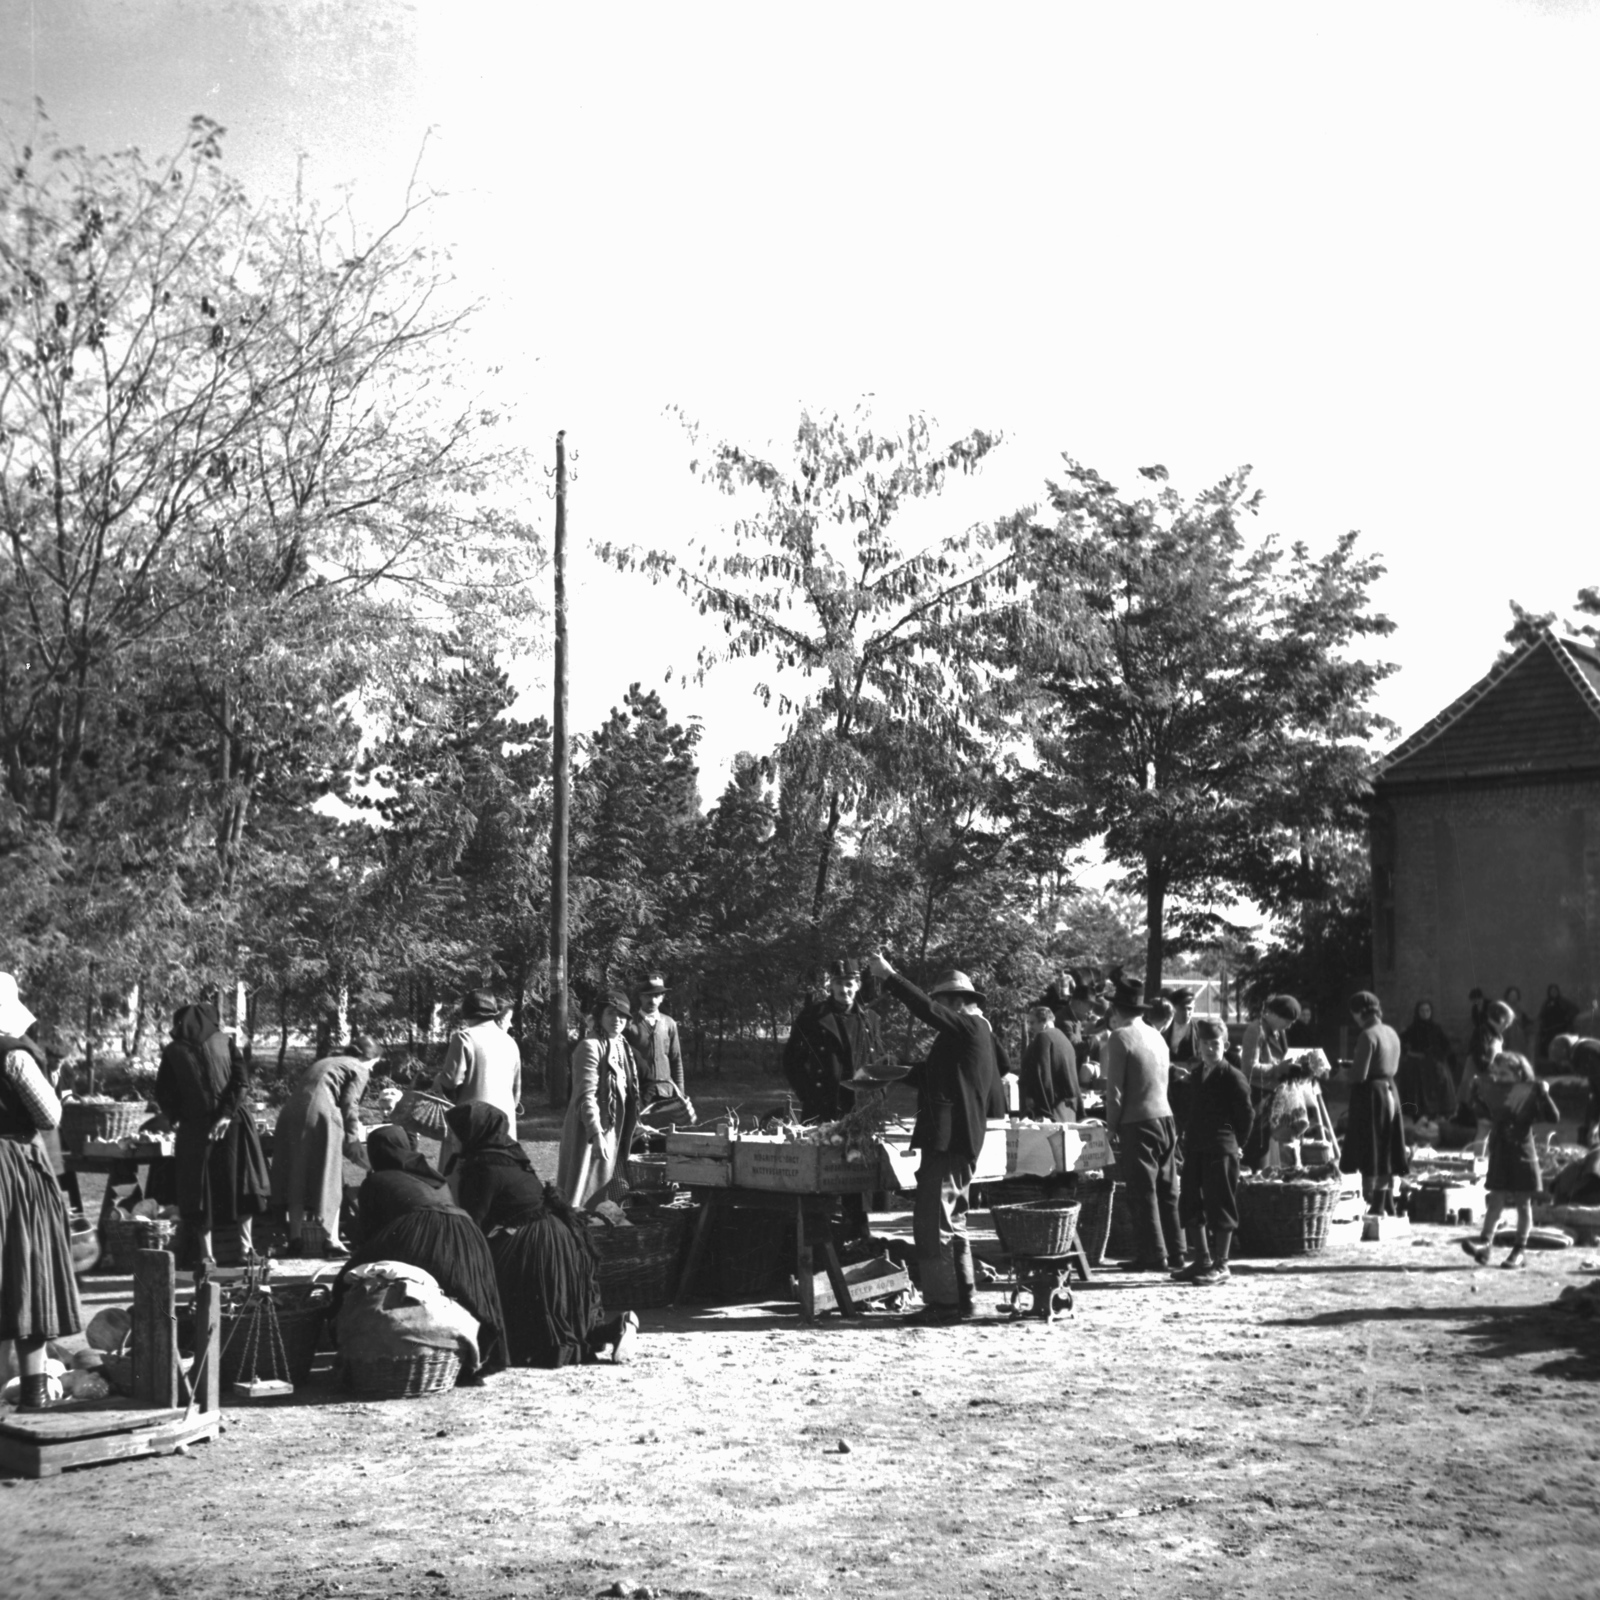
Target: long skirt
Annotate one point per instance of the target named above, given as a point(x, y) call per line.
point(549, 1289)
point(1375, 1140)
point(38, 1294)
point(446, 1243)
point(224, 1180)
point(582, 1174)
point(308, 1158)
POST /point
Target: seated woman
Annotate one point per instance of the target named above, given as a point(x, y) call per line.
point(542, 1256)
point(405, 1213)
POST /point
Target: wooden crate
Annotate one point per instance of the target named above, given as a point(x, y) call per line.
point(876, 1279)
point(1441, 1203)
point(700, 1160)
point(795, 1168)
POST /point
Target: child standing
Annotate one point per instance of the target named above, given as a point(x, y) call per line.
point(1513, 1100)
point(1217, 1122)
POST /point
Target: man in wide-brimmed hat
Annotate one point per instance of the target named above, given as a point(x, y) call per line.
point(958, 1090)
point(1139, 1116)
point(481, 1062)
point(654, 1037)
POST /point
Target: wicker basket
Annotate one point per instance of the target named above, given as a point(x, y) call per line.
point(647, 1172)
point(402, 1377)
point(1094, 1219)
point(124, 1237)
point(638, 1266)
point(300, 1323)
point(82, 1120)
point(1036, 1228)
point(422, 1113)
point(1285, 1219)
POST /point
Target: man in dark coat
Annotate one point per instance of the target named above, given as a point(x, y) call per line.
point(1217, 1118)
point(828, 1042)
point(1049, 1073)
point(958, 1090)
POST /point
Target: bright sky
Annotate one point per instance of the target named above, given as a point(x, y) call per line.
point(1355, 245)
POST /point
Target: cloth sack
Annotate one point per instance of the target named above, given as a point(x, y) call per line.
point(393, 1309)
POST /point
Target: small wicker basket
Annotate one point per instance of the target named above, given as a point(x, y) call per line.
point(638, 1266)
point(422, 1113)
point(1285, 1219)
point(402, 1377)
point(647, 1172)
point(82, 1120)
point(1037, 1227)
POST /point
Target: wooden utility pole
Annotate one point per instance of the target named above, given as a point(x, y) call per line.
point(561, 770)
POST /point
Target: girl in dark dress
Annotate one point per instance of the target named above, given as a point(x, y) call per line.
point(543, 1261)
point(405, 1213)
point(1513, 1100)
point(220, 1169)
point(38, 1294)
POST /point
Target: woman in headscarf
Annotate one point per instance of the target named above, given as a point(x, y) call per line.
point(320, 1122)
point(1424, 1081)
point(1518, 1030)
point(221, 1170)
point(38, 1294)
point(543, 1261)
point(1513, 1100)
point(405, 1213)
point(598, 1132)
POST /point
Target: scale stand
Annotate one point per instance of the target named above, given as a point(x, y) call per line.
point(254, 1315)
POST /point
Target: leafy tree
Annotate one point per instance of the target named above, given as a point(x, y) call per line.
point(817, 580)
point(1526, 626)
point(1194, 699)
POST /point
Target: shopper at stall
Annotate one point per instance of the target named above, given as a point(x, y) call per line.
point(1518, 1032)
point(958, 1090)
point(1217, 1120)
point(1514, 1102)
point(543, 1262)
point(38, 1294)
point(319, 1125)
point(1049, 1073)
point(829, 1041)
point(1556, 1017)
point(657, 1051)
point(1374, 1143)
point(1424, 1081)
point(1179, 1033)
point(1263, 1049)
point(481, 1062)
point(220, 1169)
point(1570, 1053)
point(1139, 1118)
point(603, 1109)
point(404, 1212)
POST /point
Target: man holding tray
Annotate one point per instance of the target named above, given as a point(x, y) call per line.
point(958, 1090)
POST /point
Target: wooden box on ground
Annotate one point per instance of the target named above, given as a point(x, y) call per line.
point(1450, 1202)
point(796, 1168)
point(876, 1279)
point(700, 1160)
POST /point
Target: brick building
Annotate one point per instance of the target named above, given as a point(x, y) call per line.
point(1486, 842)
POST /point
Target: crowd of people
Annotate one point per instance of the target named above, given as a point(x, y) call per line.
point(1187, 1110)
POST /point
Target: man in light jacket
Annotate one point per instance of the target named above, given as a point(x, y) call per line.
point(481, 1062)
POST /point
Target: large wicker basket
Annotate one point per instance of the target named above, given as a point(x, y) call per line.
point(638, 1265)
point(1037, 1227)
point(402, 1377)
point(82, 1120)
point(422, 1113)
point(1095, 1201)
point(1285, 1219)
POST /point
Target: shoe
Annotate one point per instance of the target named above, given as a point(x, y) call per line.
point(1211, 1277)
point(1517, 1258)
point(1477, 1249)
point(623, 1352)
point(1189, 1273)
point(35, 1395)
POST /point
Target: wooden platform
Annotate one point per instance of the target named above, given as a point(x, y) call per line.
point(168, 1411)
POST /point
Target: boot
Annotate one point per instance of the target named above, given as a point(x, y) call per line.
point(35, 1394)
point(966, 1282)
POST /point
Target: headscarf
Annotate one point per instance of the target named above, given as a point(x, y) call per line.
point(484, 1134)
point(15, 1018)
point(392, 1149)
point(195, 1024)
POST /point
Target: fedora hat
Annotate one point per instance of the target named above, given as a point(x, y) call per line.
point(614, 998)
point(480, 1005)
point(958, 983)
point(654, 984)
point(1127, 994)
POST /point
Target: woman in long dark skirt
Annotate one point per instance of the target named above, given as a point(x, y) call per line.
point(221, 1169)
point(1375, 1141)
point(543, 1260)
point(38, 1294)
point(405, 1213)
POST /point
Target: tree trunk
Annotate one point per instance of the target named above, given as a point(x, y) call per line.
point(283, 1026)
point(1155, 911)
point(825, 860)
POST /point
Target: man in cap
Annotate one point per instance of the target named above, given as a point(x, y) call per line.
point(958, 1090)
point(828, 1042)
point(1139, 1117)
point(481, 1062)
point(1179, 1033)
point(1049, 1074)
point(654, 1037)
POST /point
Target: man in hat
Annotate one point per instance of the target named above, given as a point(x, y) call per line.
point(828, 1043)
point(1139, 1117)
point(1049, 1075)
point(654, 1037)
point(958, 1090)
point(1179, 1033)
point(481, 1062)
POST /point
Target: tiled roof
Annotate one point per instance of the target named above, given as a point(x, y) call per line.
point(1538, 712)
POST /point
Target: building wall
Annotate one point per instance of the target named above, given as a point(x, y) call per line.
point(1483, 886)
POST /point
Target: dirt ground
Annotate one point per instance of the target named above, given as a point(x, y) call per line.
point(1382, 1419)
